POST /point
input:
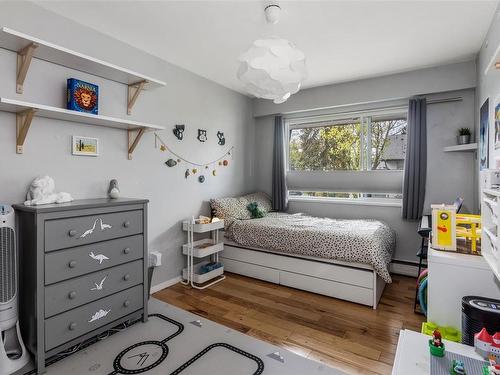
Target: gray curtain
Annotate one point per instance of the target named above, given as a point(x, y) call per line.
point(280, 191)
point(415, 161)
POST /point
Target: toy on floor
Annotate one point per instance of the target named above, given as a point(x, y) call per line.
point(457, 368)
point(447, 333)
point(436, 345)
point(486, 345)
point(493, 368)
point(422, 291)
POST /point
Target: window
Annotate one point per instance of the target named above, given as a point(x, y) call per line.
point(367, 142)
point(363, 143)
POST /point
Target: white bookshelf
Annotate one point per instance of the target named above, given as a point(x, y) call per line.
point(26, 111)
point(490, 240)
point(206, 248)
point(20, 42)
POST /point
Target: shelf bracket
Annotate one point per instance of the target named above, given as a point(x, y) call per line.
point(23, 63)
point(134, 90)
point(23, 123)
point(134, 136)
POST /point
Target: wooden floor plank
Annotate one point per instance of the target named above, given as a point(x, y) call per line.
point(351, 337)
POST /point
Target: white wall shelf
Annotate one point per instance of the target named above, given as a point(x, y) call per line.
point(470, 147)
point(25, 112)
point(27, 47)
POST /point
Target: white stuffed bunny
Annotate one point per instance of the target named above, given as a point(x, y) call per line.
point(42, 191)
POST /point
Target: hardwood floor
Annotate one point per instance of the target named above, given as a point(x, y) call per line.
point(344, 335)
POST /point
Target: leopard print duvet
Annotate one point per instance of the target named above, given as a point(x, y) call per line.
point(363, 241)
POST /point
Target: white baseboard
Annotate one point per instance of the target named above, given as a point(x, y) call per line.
point(404, 269)
point(165, 284)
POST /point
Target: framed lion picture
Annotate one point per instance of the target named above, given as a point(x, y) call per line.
point(82, 96)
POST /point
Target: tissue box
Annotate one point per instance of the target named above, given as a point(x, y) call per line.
point(82, 96)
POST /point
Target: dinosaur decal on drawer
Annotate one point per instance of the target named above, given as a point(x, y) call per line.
point(99, 286)
point(102, 225)
point(98, 257)
point(99, 315)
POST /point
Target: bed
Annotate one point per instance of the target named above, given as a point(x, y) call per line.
point(346, 259)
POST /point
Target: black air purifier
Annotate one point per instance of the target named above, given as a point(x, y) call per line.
point(479, 312)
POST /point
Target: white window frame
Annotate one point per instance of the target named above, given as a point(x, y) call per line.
point(364, 117)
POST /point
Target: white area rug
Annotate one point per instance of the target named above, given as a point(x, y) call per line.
point(174, 341)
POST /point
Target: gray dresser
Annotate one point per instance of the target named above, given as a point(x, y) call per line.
point(82, 270)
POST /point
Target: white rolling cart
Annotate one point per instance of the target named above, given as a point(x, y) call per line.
point(206, 247)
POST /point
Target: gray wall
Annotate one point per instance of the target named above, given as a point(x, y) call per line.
point(424, 81)
point(187, 98)
point(448, 175)
point(488, 86)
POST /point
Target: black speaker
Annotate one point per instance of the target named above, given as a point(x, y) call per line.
point(479, 312)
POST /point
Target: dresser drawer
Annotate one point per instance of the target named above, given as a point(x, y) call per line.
point(69, 325)
point(65, 264)
point(72, 293)
point(76, 231)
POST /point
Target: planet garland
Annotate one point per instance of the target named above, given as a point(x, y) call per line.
point(192, 167)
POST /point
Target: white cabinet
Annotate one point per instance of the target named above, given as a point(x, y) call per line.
point(453, 276)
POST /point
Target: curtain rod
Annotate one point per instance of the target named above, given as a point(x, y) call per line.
point(324, 112)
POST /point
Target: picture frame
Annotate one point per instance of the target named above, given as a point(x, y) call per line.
point(484, 121)
point(497, 124)
point(84, 146)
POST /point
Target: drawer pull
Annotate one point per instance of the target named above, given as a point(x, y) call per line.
point(72, 295)
point(126, 277)
point(72, 326)
point(126, 303)
point(72, 264)
point(126, 250)
point(126, 224)
point(72, 233)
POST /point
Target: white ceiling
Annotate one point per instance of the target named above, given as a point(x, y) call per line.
point(342, 40)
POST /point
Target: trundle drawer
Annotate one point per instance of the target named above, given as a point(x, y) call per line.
point(69, 325)
point(72, 293)
point(328, 288)
point(252, 270)
point(75, 231)
point(77, 261)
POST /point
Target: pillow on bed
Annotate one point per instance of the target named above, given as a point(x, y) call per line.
point(262, 199)
point(230, 208)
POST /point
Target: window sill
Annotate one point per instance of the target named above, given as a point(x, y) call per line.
point(355, 202)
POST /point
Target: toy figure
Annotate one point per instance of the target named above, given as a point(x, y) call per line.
point(493, 368)
point(457, 368)
point(436, 345)
point(437, 339)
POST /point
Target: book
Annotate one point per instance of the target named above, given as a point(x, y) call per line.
point(82, 96)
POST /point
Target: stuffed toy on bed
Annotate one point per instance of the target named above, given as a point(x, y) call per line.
point(255, 210)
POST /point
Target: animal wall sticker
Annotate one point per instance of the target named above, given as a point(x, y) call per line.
point(202, 135)
point(222, 140)
point(179, 131)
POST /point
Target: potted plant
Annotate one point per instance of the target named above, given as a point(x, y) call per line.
point(463, 136)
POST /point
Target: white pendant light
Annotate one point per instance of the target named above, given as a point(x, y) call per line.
point(272, 68)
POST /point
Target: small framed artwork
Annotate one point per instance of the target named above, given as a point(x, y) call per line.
point(497, 125)
point(483, 135)
point(85, 146)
